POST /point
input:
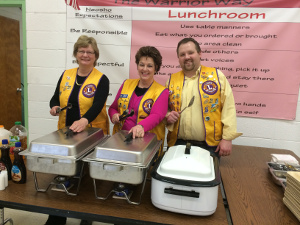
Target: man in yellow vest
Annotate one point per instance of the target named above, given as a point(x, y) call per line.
point(210, 122)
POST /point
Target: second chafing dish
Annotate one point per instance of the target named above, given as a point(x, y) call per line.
point(123, 161)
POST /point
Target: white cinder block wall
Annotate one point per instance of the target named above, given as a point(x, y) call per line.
point(46, 60)
point(46, 55)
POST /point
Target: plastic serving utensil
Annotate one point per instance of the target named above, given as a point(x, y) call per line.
point(69, 133)
point(123, 114)
point(189, 105)
point(123, 117)
point(128, 137)
point(69, 106)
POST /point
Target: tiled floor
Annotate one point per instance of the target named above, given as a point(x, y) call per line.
point(20, 217)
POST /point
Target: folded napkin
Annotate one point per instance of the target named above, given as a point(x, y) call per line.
point(284, 158)
point(292, 207)
point(294, 177)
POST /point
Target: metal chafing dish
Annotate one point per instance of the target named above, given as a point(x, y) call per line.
point(122, 159)
point(60, 153)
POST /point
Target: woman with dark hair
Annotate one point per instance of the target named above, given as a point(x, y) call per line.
point(145, 96)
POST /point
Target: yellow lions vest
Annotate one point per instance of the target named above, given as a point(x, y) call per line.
point(145, 105)
point(210, 95)
point(85, 98)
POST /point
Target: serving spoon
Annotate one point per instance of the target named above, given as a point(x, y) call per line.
point(189, 105)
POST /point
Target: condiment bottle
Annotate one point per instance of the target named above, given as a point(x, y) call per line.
point(5, 162)
point(18, 171)
point(4, 134)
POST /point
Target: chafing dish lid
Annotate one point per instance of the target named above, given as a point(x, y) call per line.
point(115, 149)
point(196, 166)
point(58, 143)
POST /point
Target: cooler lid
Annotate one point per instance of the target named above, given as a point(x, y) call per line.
point(196, 166)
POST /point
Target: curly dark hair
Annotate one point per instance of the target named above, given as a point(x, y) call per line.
point(152, 52)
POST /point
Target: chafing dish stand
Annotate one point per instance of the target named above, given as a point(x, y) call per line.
point(124, 161)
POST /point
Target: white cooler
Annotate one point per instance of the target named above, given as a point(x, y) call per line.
point(186, 181)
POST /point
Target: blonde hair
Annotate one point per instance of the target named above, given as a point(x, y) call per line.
point(83, 42)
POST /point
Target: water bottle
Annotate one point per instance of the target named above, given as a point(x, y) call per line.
point(18, 134)
point(18, 171)
point(5, 161)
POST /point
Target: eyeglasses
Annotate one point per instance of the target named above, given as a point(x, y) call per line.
point(88, 53)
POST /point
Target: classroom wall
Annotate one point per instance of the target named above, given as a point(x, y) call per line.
point(46, 58)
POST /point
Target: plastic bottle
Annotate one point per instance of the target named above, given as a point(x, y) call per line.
point(5, 162)
point(4, 134)
point(18, 171)
point(18, 134)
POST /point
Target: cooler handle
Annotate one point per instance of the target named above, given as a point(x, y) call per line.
point(172, 191)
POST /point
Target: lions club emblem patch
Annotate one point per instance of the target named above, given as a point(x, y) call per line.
point(210, 87)
point(89, 90)
point(147, 105)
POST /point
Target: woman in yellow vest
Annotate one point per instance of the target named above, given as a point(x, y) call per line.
point(145, 96)
point(86, 88)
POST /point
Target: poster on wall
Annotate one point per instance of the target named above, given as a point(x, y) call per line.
point(254, 43)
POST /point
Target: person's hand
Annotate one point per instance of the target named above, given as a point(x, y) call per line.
point(172, 117)
point(53, 111)
point(115, 118)
point(137, 131)
point(79, 125)
point(224, 148)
